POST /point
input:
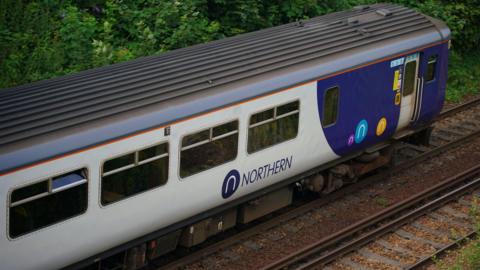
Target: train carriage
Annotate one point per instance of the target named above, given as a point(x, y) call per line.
point(122, 164)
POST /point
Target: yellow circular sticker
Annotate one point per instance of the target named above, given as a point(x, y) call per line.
point(381, 126)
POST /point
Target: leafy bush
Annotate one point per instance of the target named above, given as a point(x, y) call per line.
point(463, 74)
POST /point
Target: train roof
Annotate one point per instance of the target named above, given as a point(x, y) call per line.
point(49, 118)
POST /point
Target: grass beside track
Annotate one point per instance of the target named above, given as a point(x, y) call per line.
point(467, 257)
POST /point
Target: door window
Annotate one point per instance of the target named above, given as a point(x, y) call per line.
point(409, 81)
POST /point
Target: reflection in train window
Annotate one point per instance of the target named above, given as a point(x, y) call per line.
point(208, 148)
point(134, 173)
point(47, 202)
point(273, 126)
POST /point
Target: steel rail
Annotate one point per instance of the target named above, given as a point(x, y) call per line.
point(458, 108)
point(327, 250)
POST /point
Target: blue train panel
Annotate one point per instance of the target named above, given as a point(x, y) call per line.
point(370, 96)
point(433, 92)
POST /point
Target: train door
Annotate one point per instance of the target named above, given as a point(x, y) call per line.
point(410, 93)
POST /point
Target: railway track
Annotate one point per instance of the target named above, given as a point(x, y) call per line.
point(366, 242)
point(444, 137)
point(458, 108)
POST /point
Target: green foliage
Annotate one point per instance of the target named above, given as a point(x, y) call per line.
point(469, 258)
point(27, 50)
point(463, 75)
point(76, 32)
point(45, 39)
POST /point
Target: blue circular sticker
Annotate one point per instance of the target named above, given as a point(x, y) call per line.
point(361, 131)
point(230, 183)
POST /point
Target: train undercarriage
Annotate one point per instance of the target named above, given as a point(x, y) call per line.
point(321, 181)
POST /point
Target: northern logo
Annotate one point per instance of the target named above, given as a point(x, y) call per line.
point(230, 183)
point(233, 180)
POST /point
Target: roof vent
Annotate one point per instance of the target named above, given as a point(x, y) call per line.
point(384, 12)
point(363, 32)
point(300, 24)
point(361, 8)
point(352, 20)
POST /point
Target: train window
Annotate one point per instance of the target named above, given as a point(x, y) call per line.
point(330, 106)
point(262, 116)
point(29, 191)
point(431, 67)
point(45, 203)
point(409, 79)
point(152, 152)
point(273, 126)
point(208, 148)
point(118, 163)
point(134, 173)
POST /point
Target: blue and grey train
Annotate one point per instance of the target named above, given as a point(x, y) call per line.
point(121, 164)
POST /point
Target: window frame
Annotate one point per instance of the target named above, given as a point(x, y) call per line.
point(210, 128)
point(136, 163)
point(323, 106)
point(271, 120)
point(434, 70)
point(9, 203)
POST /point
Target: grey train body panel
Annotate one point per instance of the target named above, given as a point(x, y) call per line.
point(51, 118)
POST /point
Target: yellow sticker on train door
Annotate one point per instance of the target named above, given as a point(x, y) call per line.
point(396, 79)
